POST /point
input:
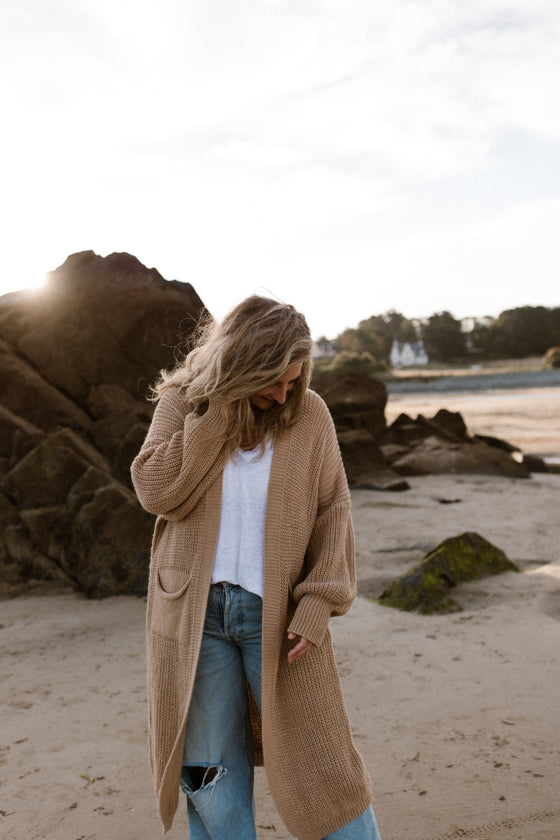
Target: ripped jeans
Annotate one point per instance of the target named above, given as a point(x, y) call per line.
point(217, 772)
point(217, 775)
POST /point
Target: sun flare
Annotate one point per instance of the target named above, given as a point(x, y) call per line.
point(35, 284)
point(27, 281)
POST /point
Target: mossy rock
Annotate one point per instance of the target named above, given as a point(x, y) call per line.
point(456, 560)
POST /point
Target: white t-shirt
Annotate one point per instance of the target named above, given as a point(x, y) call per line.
point(239, 555)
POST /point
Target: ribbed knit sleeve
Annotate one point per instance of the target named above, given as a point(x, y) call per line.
point(182, 455)
point(329, 586)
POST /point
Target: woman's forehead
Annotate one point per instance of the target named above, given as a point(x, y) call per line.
point(293, 371)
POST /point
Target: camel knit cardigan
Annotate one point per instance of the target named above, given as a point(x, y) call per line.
point(316, 776)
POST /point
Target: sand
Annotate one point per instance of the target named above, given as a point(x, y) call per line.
point(457, 716)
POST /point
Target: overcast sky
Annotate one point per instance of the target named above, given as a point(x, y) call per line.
point(347, 156)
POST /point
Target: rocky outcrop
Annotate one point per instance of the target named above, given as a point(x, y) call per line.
point(378, 457)
point(76, 360)
point(357, 403)
point(441, 444)
point(456, 560)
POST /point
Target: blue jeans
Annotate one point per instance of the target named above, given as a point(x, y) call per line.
point(217, 775)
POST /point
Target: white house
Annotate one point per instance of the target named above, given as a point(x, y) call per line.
point(323, 348)
point(407, 353)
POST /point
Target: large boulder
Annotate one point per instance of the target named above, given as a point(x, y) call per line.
point(357, 404)
point(456, 560)
point(76, 361)
point(356, 401)
point(99, 320)
point(365, 464)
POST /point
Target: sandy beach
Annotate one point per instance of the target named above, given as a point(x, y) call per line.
point(457, 716)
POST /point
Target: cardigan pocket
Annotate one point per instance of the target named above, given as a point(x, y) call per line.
point(172, 582)
point(170, 602)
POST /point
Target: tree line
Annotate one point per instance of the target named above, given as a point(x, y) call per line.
point(515, 333)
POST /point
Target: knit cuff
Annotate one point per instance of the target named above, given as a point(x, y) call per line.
point(311, 618)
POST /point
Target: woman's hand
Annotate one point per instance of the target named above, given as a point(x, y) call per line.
point(303, 648)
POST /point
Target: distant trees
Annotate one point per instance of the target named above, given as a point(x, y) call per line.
point(516, 333)
point(360, 340)
point(348, 362)
point(389, 327)
point(376, 334)
point(443, 337)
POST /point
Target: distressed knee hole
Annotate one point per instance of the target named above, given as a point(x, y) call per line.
point(198, 782)
point(200, 776)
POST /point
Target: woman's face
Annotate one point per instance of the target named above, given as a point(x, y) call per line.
point(277, 392)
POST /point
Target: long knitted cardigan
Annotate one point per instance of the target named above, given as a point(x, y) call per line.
point(316, 776)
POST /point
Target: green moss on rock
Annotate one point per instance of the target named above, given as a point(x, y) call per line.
point(456, 560)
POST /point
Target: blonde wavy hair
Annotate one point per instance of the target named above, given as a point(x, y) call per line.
point(233, 360)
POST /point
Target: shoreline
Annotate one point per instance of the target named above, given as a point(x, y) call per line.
point(472, 379)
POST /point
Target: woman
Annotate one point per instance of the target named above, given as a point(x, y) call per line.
point(252, 553)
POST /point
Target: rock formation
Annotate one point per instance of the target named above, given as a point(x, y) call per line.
point(76, 360)
point(441, 444)
point(357, 403)
point(456, 560)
